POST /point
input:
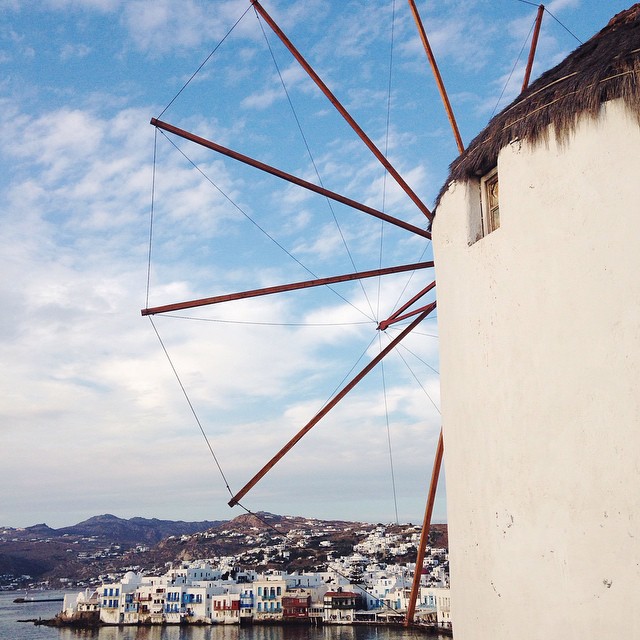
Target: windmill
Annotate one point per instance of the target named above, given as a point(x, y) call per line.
point(539, 381)
point(405, 311)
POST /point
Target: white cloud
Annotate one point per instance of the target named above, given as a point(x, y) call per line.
point(165, 25)
point(104, 6)
point(74, 51)
point(90, 400)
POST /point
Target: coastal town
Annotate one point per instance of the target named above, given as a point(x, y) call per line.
point(353, 589)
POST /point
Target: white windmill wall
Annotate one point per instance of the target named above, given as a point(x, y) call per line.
point(540, 371)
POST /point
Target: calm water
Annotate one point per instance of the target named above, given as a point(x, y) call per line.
point(11, 629)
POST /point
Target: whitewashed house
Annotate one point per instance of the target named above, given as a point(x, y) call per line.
point(225, 608)
point(83, 606)
point(268, 591)
point(437, 600)
point(117, 600)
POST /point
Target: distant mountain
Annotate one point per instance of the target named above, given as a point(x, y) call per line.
point(41, 530)
point(84, 550)
point(135, 530)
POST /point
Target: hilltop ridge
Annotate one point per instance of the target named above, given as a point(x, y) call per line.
point(82, 553)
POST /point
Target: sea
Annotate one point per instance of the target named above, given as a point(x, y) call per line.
point(12, 628)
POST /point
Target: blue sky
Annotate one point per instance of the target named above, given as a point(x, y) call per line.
point(93, 419)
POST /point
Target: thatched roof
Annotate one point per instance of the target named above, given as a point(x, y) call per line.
point(604, 68)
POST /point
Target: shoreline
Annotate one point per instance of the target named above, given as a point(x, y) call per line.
point(86, 623)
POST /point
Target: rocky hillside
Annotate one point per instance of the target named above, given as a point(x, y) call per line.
point(82, 551)
point(82, 554)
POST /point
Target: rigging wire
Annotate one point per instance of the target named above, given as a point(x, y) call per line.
point(266, 324)
point(380, 255)
point(195, 73)
point(260, 228)
point(417, 357)
point(386, 144)
point(386, 151)
point(348, 374)
point(412, 372)
point(193, 410)
point(151, 214)
point(515, 64)
point(564, 26)
point(535, 4)
point(311, 158)
point(386, 413)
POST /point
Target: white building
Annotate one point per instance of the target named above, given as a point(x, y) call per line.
point(539, 314)
point(187, 603)
point(225, 608)
point(268, 591)
point(84, 605)
point(340, 606)
point(438, 600)
point(117, 604)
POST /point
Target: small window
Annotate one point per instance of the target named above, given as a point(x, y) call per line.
point(490, 202)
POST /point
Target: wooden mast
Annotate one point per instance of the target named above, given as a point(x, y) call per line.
point(436, 73)
point(424, 535)
point(534, 44)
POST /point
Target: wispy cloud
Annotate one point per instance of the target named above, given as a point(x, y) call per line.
point(74, 51)
point(90, 400)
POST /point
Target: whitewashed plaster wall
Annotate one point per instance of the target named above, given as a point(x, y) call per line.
point(540, 373)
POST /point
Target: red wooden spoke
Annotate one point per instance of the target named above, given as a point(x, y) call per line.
point(214, 146)
point(323, 412)
point(343, 112)
point(394, 317)
point(424, 536)
point(253, 293)
point(436, 73)
point(534, 44)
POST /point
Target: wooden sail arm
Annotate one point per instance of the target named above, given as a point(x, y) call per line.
point(341, 109)
point(424, 536)
point(436, 73)
point(534, 45)
point(253, 293)
point(323, 412)
point(214, 146)
point(393, 317)
point(428, 308)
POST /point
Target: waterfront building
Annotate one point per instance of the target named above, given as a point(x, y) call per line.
point(117, 603)
point(187, 573)
point(147, 602)
point(438, 601)
point(268, 590)
point(247, 603)
point(83, 606)
point(295, 605)
point(180, 596)
point(538, 310)
point(340, 606)
point(187, 603)
point(225, 608)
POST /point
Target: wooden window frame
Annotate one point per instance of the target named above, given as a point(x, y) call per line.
point(490, 201)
